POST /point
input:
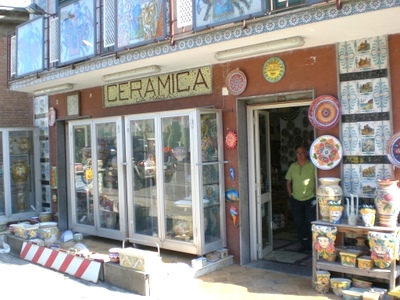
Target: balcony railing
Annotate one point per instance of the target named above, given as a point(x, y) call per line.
point(179, 22)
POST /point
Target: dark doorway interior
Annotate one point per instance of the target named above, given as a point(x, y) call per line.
point(289, 127)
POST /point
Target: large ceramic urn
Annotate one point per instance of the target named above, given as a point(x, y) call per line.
point(387, 202)
point(328, 192)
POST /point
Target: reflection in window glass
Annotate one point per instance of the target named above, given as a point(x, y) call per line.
point(177, 178)
point(2, 202)
point(22, 171)
point(107, 174)
point(144, 177)
point(83, 174)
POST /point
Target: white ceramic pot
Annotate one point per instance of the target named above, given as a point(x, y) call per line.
point(48, 231)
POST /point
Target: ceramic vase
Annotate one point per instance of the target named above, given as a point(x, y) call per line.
point(329, 190)
point(383, 247)
point(387, 202)
point(335, 213)
point(368, 216)
point(324, 241)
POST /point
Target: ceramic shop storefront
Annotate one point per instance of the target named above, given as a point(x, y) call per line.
point(116, 186)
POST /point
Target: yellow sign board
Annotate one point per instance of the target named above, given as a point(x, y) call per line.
point(181, 84)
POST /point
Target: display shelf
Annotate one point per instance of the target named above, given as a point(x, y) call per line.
point(389, 274)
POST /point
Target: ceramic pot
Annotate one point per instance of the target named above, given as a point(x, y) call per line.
point(328, 191)
point(387, 202)
point(48, 231)
point(335, 213)
point(383, 248)
point(324, 241)
point(323, 277)
point(368, 216)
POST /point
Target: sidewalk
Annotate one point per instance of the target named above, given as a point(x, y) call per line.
point(231, 282)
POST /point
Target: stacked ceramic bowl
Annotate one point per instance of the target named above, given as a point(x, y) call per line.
point(339, 284)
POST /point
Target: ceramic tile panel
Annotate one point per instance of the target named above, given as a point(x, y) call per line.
point(365, 138)
point(364, 92)
point(360, 179)
point(365, 96)
point(363, 55)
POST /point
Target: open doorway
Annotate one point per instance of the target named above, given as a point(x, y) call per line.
point(276, 131)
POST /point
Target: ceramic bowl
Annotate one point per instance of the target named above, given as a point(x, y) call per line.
point(45, 216)
point(48, 231)
point(361, 283)
point(26, 231)
point(352, 294)
point(338, 284)
point(365, 262)
point(78, 237)
point(113, 254)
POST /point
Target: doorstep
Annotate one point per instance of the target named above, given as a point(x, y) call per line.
point(175, 267)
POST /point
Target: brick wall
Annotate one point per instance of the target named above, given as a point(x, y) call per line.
point(16, 108)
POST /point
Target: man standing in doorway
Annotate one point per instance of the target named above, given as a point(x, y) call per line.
point(300, 185)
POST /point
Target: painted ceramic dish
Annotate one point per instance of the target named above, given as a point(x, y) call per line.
point(274, 69)
point(324, 112)
point(393, 150)
point(326, 152)
point(236, 82)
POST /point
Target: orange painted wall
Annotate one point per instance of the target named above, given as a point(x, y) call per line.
point(309, 69)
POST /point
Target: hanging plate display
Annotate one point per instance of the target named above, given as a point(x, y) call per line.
point(274, 69)
point(231, 139)
point(326, 152)
point(393, 150)
point(324, 112)
point(236, 82)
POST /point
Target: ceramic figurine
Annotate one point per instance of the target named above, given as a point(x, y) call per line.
point(368, 215)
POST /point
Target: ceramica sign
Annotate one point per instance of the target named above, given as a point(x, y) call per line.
point(186, 83)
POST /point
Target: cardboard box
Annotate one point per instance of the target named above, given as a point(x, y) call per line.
point(140, 260)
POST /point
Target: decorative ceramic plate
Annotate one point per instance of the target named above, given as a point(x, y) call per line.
point(393, 150)
point(236, 82)
point(326, 152)
point(231, 139)
point(324, 112)
point(274, 69)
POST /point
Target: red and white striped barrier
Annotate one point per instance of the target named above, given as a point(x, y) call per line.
point(61, 261)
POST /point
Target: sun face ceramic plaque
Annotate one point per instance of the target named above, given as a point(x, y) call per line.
point(274, 69)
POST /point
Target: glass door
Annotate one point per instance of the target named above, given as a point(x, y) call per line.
point(175, 180)
point(263, 183)
point(97, 177)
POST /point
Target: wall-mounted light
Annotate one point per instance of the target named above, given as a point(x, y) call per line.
point(130, 74)
point(35, 9)
point(54, 89)
point(262, 48)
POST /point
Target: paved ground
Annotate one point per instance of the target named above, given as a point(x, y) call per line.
point(25, 279)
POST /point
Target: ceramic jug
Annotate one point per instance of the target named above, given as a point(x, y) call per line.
point(352, 209)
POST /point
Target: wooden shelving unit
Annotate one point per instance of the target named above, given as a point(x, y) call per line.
point(390, 274)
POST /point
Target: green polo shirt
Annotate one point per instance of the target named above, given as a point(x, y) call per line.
point(303, 180)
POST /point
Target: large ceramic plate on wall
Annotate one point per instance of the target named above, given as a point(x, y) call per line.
point(326, 152)
point(324, 112)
